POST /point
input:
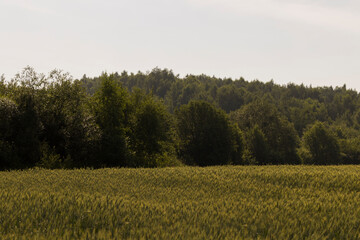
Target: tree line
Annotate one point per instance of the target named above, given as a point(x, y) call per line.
point(157, 119)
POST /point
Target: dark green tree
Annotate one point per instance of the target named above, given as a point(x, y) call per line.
point(28, 131)
point(238, 145)
point(69, 129)
point(322, 146)
point(230, 98)
point(152, 132)
point(110, 107)
point(256, 147)
point(304, 112)
point(25, 90)
point(205, 134)
point(280, 135)
point(9, 115)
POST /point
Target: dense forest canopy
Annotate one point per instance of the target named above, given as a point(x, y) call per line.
point(161, 119)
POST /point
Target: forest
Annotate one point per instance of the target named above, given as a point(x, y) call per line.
point(158, 119)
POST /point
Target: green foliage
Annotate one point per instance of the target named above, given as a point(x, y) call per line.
point(230, 98)
point(159, 81)
point(3, 85)
point(256, 148)
point(52, 109)
point(68, 126)
point(305, 112)
point(349, 142)
point(152, 132)
point(205, 134)
point(350, 150)
point(182, 92)
point(8, 155)
point(9, 113)
point(104, 121)
point(110, 103)
point(237, 145)
point(300, 104)
point(28, 130)
point(49, 158)
point(322, 145)
point(278, 145)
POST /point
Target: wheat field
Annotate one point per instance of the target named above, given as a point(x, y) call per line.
point(230, 202)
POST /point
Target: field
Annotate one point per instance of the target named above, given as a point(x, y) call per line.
point(270, 202)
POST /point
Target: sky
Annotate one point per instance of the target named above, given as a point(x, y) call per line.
point(314, 42)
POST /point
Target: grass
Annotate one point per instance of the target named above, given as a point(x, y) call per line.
point(252, 202)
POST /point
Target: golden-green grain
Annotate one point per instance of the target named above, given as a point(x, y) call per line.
point(270, 202)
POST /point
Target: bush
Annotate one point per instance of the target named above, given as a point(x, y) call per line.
point(49, 158)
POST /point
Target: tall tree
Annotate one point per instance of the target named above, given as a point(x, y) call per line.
point(9, 115)
point(26, 89)
point(69, 129)
point(152, 132)
point(281, 137)
point(256, 147)
point(110, 108)
point(28, 131)
point(323, 146)
point(230, 98)
point(205, 134)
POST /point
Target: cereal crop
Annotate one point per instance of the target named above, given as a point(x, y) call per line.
point(245, 202)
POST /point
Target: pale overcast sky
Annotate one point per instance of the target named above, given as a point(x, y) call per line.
point(302, 41)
